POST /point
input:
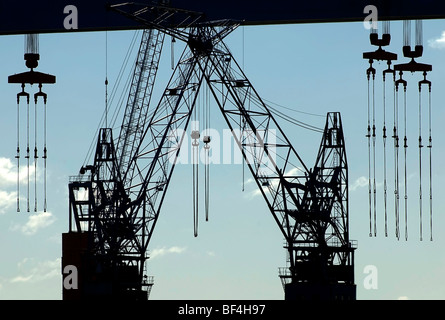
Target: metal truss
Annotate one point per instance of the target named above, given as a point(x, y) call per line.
point(127, 188)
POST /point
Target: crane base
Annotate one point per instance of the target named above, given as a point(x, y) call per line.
point(318, 291)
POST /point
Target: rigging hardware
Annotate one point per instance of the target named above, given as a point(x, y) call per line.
point(32, 77)
point(413, 67)
point(378, 55)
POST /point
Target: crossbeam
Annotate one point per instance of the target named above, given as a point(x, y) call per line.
point(29, 16)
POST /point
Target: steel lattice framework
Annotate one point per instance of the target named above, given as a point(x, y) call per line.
point(122, 198)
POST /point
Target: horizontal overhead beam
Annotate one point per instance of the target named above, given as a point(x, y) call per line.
point(44, 16)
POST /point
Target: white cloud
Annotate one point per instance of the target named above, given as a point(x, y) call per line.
point(8, 172)
point(403, 298)
point(7, 200)
point(163, 251)
point(8, 179)
point(21, 279)
point(438, 43)
point(274, 182)
point(359, 183)
point(35, 222)
point(32, 271)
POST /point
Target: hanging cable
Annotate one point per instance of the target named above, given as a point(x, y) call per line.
point(374, 187)
point(291, 109)
point(371, 147)
point(19, 95)
point(428, 83)
point(206, 116)
point(370, 71)
point(420, 160)
point(419, 42)
point(243, 142)
point(195, 160)
point(207, 179)
point(384, 156)
point(419, 33)
point(406, 43)
point(27, 157)
point(368, 135)
point(396, 153)
point(195, 209)
point(380, 55)
point(430, 147)
point(45, 150)
point(294, 121)
point(405, 146)
point(385, 185)
point(18, 154)
point(407, 32)
point(35, 157)
point(31, 57)
point(116, 87)
point(386, 27)
point(106, 79)
point(243, 46)
point(285, 116)
point(45, 157)
point(172, 53)
point(412, 67)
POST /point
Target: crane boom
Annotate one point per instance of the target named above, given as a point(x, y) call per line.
point(310, 206)
point(136, 112)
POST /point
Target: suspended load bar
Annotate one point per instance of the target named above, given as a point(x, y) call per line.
point(377, 55)
point(412, 66)
point(31, 77)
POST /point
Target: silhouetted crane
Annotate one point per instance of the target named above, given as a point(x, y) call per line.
point(116, 205)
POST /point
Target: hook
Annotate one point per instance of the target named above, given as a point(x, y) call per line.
point(40, 94)
point(22, 94)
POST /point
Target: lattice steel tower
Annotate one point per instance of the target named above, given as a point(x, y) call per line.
point(116, 207)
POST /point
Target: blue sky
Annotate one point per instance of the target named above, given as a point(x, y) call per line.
point(313, 68)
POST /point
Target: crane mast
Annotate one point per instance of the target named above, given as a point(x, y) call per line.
point(127, 185)
point(107, 233)
point(137, 108)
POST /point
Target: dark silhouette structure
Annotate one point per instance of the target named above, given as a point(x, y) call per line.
point(116, 201)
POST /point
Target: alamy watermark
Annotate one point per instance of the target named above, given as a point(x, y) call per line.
point(371, 20)
point(370, 282)
point(71, 19)
point(70, 277)
point(259, 146)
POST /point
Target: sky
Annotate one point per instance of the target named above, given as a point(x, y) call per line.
point(310, 68)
